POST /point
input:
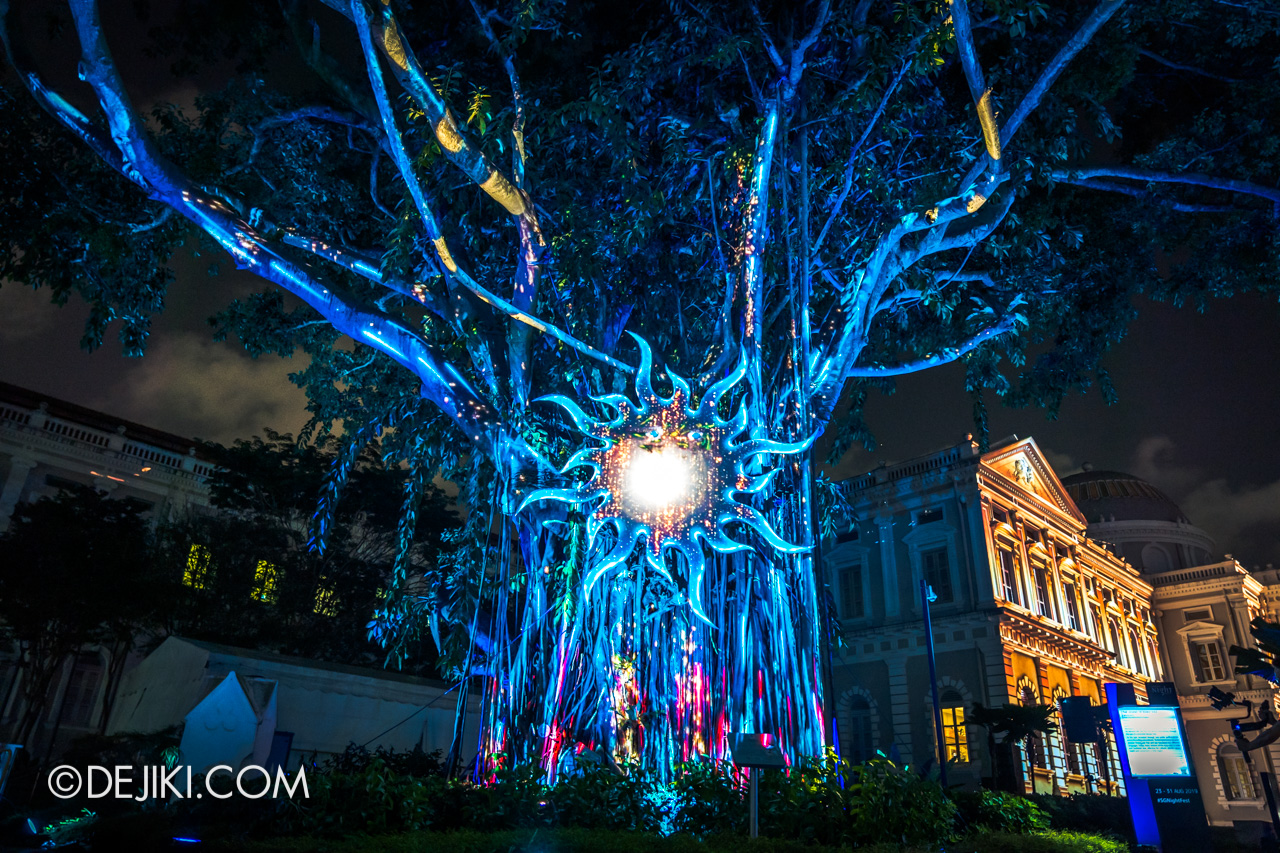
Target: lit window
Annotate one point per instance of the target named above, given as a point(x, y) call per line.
point(199, 569)
point(1207, 656)
point(265, 577)
point(1237, 778)
point(1008, 576)
point(1073, 608)
point(937, 573)
point(326, 600)
point(1044, 604)
point(955, 739)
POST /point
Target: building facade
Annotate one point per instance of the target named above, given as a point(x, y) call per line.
point(1028, 610)
point(1203, 604)
point(47, 444)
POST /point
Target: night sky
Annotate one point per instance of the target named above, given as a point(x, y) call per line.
point(1198, 416)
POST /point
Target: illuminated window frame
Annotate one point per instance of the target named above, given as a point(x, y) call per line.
point(199, 569)
point(326, 600)
point(266, 579)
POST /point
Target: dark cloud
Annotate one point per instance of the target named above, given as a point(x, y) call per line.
point(186, 384)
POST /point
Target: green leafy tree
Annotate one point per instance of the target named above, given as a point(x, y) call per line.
point(251, 575)
point(826, 194)
point(75, 569)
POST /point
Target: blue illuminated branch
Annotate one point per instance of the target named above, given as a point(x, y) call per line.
point(757, 216)
point(442, 384)
point(847, 334)
point(1087, 177)
point(945, 356)
point(379, 26)
point(404, 165)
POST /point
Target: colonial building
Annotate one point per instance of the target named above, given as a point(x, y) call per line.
point(1028, 610)
point(47, 444)
point(1203, 607)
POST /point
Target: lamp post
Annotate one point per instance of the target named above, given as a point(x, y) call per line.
point(927, 595)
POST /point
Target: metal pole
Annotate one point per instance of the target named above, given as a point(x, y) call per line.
point(755, 801)
point(926, 595)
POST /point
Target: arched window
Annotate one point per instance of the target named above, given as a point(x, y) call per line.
point(1238, 781)
point(1117, 641)
point(955, 737)
point(1029, 694)
point(860, 730)
point(1137, 653)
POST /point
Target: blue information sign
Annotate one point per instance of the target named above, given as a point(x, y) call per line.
point(1153, 741)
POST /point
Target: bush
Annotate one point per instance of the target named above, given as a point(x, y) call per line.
point(709, 800)
point(887, 803)
point(599, 797)
point(1047, 841)
point(1088, 813)
point(593, 841)
point(372, 800)
point(807, 803)
point(996, 811)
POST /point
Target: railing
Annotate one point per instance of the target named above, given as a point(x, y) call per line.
point(8, 413)
point(67, 432)
point(1199, 573)
point(903, 470)
point(151, 454)
point(71, 432)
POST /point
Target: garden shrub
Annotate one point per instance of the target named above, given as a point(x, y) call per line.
point(600, 797)
point(806, 803)
point(1088, 813)
point(888, 803)
point(997, 811)
point(709, 800)
point(596, 841)
point(369, 800)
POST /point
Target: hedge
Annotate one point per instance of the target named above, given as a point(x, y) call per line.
point(591, 841)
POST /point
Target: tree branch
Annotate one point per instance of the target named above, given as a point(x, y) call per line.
point(757, 216)
point(1083, 174)
point(1177, 66)
point(973, 75)
point(945, 356)
point(455, 276)
point(442, 384)
point(384, 30)
point(1078, 41)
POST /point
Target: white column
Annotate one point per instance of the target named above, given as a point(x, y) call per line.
point(889, 568)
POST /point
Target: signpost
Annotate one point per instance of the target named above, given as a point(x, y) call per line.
point(756, 752)
point(1164, 796)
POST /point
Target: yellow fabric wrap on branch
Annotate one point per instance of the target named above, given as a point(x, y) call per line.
point(990, 131)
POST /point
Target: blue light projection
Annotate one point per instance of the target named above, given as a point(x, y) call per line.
point(671, 474)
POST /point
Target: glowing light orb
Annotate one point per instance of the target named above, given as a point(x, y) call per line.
point(675, 475)
point(659, 479)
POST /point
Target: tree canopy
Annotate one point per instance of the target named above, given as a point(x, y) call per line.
point(250, 578)
point(786, 204)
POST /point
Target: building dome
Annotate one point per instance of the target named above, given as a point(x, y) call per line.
point(1104, 496)
point(1138, 521)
